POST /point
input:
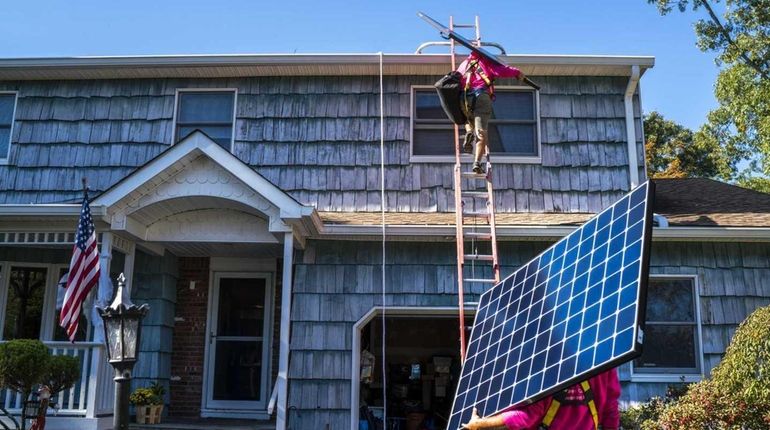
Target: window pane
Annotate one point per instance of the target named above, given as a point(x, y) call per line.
point(433, 142)
point(241, 307)
point(222, 135)
point(428, 106)
point(514, 105)
point(5, 141)
point(512, 139)
point(238, 370)
point(6, 108)
point(667, 346)
point(670, 300)
point(206, 107)
point(24, 307)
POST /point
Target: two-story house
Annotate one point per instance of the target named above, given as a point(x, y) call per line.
point(242, 196)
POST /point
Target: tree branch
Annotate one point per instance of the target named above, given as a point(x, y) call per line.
point(749, 62)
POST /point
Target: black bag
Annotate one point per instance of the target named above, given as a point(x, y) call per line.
point(450, 93)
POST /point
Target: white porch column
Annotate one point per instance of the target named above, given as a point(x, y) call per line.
point(283, 355)
point(97, 356)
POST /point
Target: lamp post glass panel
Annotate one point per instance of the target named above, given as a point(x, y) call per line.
point(122, 326)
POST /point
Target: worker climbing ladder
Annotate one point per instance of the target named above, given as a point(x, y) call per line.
point(474, 215)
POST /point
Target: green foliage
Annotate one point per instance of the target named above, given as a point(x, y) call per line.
point(145, 396)
point(741, 40)
point(23, 363)
point(158, 389)
point(674, 151)
point(634, 417)
point(62, 372)
point(755, 183)
point(737, 396)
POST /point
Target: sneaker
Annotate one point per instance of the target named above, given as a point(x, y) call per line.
point(477, 168)
point(468, 145)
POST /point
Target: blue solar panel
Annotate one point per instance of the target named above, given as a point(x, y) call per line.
point(572, 312)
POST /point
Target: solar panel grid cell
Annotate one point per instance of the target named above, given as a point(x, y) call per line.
point(570, 313)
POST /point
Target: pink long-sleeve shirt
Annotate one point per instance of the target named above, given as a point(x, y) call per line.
point(606, 390)
point(492, 70)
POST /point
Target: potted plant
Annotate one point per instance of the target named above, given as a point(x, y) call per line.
point(148, 402)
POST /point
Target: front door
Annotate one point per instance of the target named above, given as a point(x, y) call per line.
point(238, 341)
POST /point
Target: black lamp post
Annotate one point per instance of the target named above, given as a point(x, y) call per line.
point(122, 326)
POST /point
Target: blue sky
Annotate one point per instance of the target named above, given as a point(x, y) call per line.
point(680, 86)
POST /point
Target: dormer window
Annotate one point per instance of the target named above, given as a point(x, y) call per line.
point(514, 132)
point(210, 111)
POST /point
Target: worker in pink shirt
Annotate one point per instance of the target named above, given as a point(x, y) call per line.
point(478, 77)
point(592, 404)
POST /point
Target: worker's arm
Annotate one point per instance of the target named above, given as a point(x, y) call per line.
point(504, 71)
point(523, 418)
point(609, 416)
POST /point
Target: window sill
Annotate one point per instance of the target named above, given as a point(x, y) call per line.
point(496, 159)
point(666, 377)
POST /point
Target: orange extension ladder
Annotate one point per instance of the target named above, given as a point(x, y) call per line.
point(474, 214)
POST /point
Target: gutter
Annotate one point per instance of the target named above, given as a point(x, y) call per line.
point(633, 162)
point(529, 232)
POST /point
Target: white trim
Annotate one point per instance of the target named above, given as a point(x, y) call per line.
point(6, 159)
point(498, 158)
point(699, 356)
point(204, 90)
point(48, 210)
point(225, 408)
point(284, 349)
point(317, 58)
point(199, 143)
point(399, 311)
point(628, 103)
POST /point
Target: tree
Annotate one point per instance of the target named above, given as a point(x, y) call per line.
point(737, 395)
point(674, 151)
point(26, 363)
point(23, 364)
point(741, 40)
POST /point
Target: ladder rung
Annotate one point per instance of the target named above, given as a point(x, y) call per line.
point(479, 257)
point(480, 280)
point(472, 175)
point(464, 25)
point(474, 235)
point(476, 214)
point(475, 194)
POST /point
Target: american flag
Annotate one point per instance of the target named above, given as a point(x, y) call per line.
point(83, 274)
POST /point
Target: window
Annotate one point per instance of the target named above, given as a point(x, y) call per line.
point(33, 295)
point(7, 107)
point(671, 339)
point(513, 128)
point(211, 112)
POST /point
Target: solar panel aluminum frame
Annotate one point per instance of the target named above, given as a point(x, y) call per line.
point(639, 326)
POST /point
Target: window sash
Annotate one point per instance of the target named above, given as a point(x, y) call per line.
point(438, 124)
point(180, 124)
point(694, 323)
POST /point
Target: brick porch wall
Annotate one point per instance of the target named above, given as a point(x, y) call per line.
point(188, 345)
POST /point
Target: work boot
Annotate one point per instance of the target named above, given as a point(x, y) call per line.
point(477, 168)
point(468, 145)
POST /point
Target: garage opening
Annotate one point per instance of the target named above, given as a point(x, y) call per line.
point(422, 358)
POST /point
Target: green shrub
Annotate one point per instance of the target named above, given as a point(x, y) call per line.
point(145, 396)
point(634, 417)
point(737, 396)
point(23, 365)
point(61, 373)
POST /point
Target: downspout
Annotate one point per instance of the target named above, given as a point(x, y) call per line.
point(283, 351)
point(633, 162)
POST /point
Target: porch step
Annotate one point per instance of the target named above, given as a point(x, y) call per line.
point(206, 424)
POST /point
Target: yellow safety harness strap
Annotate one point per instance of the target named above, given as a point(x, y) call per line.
point(589, 395)
point(550, 414)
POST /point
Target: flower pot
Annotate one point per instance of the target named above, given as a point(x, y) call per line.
point(148, 414)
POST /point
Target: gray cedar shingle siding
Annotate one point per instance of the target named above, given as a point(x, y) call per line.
point(315, 137)
point(336, 283)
